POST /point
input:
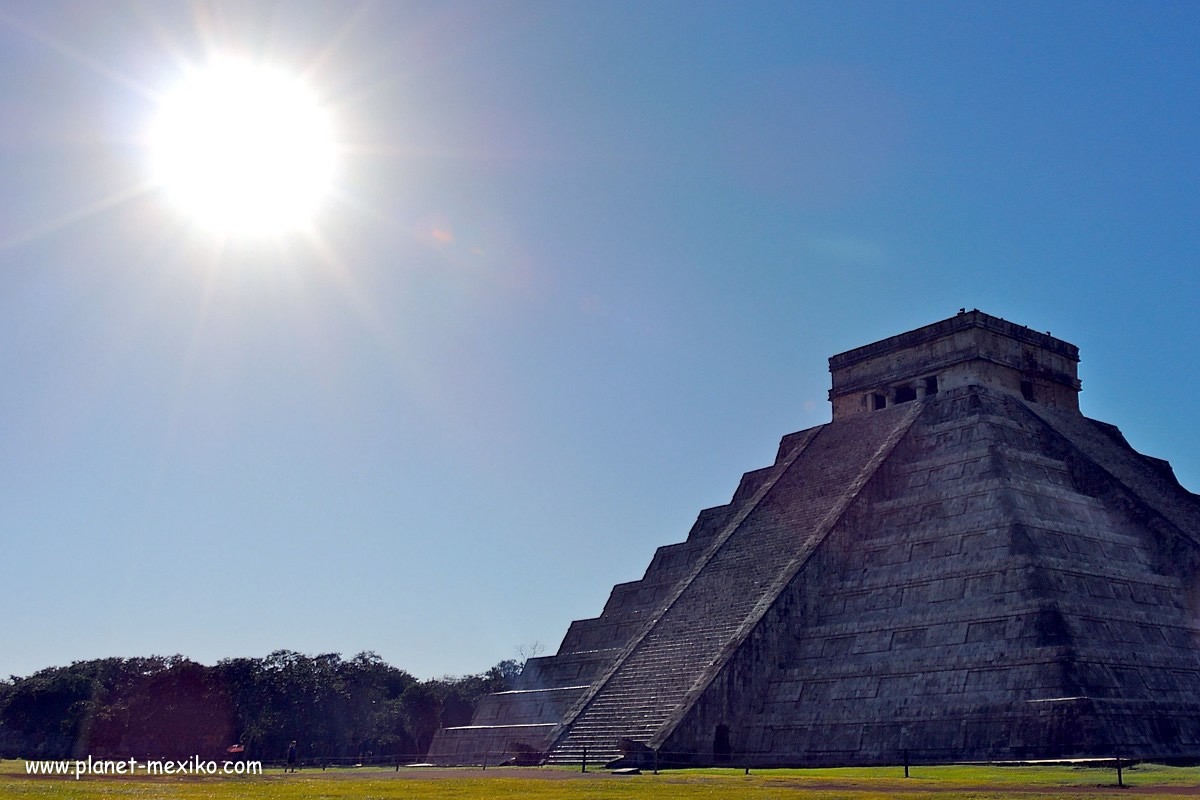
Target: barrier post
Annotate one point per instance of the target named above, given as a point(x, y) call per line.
point(583, 762)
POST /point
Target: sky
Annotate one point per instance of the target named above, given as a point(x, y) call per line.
point(582, 266)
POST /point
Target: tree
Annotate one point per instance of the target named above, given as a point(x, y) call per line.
point(422, 713)
point(158, 707)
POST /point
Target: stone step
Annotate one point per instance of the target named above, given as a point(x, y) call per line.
point(714, 603)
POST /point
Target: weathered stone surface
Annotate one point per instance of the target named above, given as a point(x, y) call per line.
point(970, 349)
point(965, 574)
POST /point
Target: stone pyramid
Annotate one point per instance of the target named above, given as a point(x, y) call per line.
point(960, 566)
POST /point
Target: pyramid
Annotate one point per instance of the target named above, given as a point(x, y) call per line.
point(959, 566)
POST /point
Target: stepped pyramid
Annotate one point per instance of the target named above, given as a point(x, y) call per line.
point(960, 566)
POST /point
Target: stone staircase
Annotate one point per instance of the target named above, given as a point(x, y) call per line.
point(732, 584)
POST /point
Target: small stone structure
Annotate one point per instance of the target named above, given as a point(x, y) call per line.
point(959, 566)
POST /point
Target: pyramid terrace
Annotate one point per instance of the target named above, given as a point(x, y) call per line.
point(959, 566)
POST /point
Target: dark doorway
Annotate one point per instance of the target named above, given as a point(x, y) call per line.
point(1027, 390)
point(905, 394)
point(722, 749)
point(878, 401)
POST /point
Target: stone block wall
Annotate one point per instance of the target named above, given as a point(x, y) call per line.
point(971, 348)
point(966, 576)
point(976, 602)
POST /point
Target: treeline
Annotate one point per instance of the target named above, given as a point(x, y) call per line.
point(175, 708)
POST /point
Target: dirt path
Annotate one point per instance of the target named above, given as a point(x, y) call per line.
point(900, 786)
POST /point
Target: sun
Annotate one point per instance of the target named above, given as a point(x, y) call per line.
point(243, 149)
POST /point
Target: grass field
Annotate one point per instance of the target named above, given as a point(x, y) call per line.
point(943, 783)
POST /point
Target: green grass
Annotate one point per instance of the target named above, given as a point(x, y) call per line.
point(926, 783)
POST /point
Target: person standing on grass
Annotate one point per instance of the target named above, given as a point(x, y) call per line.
point(291, 764)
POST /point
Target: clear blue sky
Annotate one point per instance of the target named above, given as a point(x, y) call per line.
point(585, 267)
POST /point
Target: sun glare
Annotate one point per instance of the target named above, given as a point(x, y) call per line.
point(243, 149)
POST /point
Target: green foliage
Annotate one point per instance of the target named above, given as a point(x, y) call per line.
point(172, 708)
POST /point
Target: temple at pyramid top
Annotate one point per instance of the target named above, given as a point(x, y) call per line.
point(960, 566)
point(970, 348)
